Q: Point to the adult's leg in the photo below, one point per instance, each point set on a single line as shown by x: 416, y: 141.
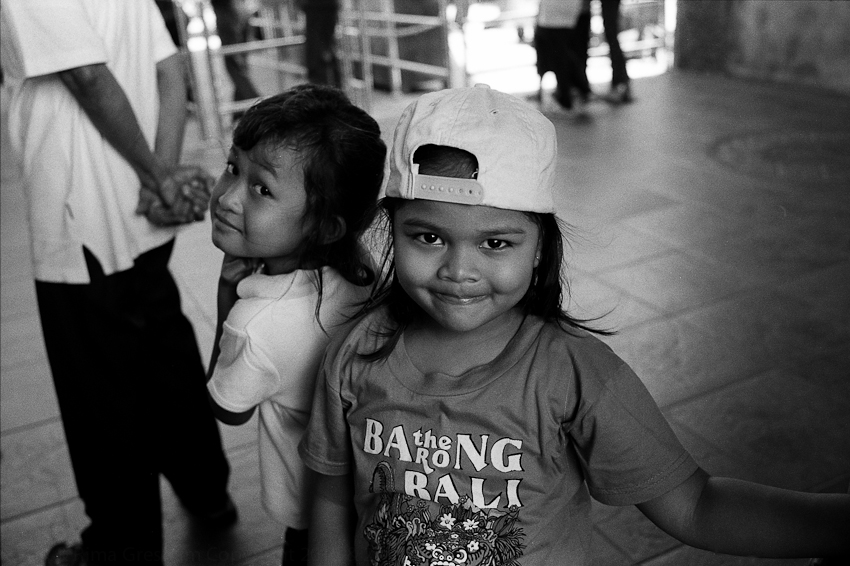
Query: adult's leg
x: 580, y: 41
x: 554, y: 53
x: 611, y: 22
x: 319, y: 50
x: 188, y: 444
x: 232, y: 26
x: 93, y: 336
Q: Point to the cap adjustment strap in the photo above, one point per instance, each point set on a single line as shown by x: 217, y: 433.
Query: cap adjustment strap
x: 447, y: 189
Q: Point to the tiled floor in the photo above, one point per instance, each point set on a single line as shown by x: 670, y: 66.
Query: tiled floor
x: 712, y: 219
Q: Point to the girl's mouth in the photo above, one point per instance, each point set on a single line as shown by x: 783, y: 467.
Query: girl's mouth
x: 459, y: 300
x: 221, y: 222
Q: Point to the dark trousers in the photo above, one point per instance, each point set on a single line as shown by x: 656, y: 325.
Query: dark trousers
x: 319, y: 47
x: 132, y: 394
x: 611, y: 22
x: 233, y: 27
x: 563, y: 51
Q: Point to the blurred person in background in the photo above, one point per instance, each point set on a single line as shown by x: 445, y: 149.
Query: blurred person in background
x: 320, y: 48
x: 233, y: 23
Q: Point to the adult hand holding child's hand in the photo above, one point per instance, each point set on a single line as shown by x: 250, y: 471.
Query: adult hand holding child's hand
x: 182, y: 197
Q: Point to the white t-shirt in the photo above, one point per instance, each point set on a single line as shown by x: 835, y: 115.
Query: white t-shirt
x: 271, y: 348
x: 79, y: 190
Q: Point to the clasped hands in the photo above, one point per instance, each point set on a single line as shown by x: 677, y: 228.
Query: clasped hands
x: 181, y: 197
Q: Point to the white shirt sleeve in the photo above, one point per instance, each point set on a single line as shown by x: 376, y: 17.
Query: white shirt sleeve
x: 244, y: 376
x: 41, y: 37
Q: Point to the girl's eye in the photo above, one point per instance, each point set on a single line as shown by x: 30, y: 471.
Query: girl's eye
x: 430, y: 239
x: 231, y: 168
x: 495, y: 244
x: 262, y: 190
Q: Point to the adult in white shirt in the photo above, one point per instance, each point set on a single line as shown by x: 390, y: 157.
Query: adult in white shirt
x: 97, y: 112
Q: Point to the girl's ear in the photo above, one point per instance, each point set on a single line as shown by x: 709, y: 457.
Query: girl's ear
x: 332, y: 229
x: 537, y: 252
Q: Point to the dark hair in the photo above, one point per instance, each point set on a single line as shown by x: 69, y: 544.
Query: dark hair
x: 343, y: 159
x: 544, y: 297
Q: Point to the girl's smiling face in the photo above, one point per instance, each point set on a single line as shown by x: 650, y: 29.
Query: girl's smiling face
x: 466, y: 266
x: 258, y: 206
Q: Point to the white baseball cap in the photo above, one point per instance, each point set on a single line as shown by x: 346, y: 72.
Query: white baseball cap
x: 515, y: 145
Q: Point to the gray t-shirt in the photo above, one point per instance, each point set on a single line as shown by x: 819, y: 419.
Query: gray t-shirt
x: 495, y: 466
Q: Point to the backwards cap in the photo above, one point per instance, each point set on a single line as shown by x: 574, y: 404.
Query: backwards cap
x: 515, y: 146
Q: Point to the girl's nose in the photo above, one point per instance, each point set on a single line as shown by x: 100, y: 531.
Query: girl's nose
x: 227, y: 194
x: 459, y: 265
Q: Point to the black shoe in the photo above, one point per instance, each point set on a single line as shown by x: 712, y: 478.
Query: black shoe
x: 63, y: 555
x: 218, y: 519
x: 295, y: 549
x: 620, y: 94
x: 564, y: 99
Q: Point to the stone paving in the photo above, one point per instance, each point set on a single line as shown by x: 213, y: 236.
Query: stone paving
x: 711, y: 221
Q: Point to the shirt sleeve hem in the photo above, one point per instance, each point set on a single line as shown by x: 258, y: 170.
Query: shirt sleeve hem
x: 682, y: 469
x: 224, y: 403
x: 323, y: 466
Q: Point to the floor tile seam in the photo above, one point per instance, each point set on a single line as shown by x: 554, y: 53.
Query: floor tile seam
x: 30, y: 426
x: 37, y: 510
x: 663, y: 554
x: 253, y: 556
x: 634, y: 325
x: 21, y: 429
x: 741, y: 224
x: 7, y: 318
x: 754, y: 289
x: 747, y: 377
x: 685, y: 201
x: 15, y: 365
x: 690, y: 252
x: 625, y: 293
x: 602, y: 531
x: 736, y: 452
x: 674, y: 314
x: 778, y: 365
x: 633, y: 262
x: 826, y: 484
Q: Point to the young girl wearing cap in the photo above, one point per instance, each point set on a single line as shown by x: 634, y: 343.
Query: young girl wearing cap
x: 467, y: 419
x: 298, y: 191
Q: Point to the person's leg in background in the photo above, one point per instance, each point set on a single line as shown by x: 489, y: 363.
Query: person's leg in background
x: 232, y: 23
x: 320, y: 46
x: 555, y: 54
x: 620, y: 83
x: 578, y: 43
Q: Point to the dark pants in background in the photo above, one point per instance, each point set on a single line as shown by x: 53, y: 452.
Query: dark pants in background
x: 611, y: 22
x: 233, y: 26
x: 132, y: 393
x: 564, y: 52
x: 320, y: 45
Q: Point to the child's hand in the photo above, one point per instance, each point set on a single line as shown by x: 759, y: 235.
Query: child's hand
x: 152, y: 207
x: 182, y: 198
x: 235, y: 269
x: 187, y: 182
x: 187, y: 188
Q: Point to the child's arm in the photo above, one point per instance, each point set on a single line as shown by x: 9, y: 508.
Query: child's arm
x: 233, y: 270
x: 332, y: 522
x: 748, y: 519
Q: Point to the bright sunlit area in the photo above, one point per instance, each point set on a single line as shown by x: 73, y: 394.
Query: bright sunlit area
x: 496, y: 44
